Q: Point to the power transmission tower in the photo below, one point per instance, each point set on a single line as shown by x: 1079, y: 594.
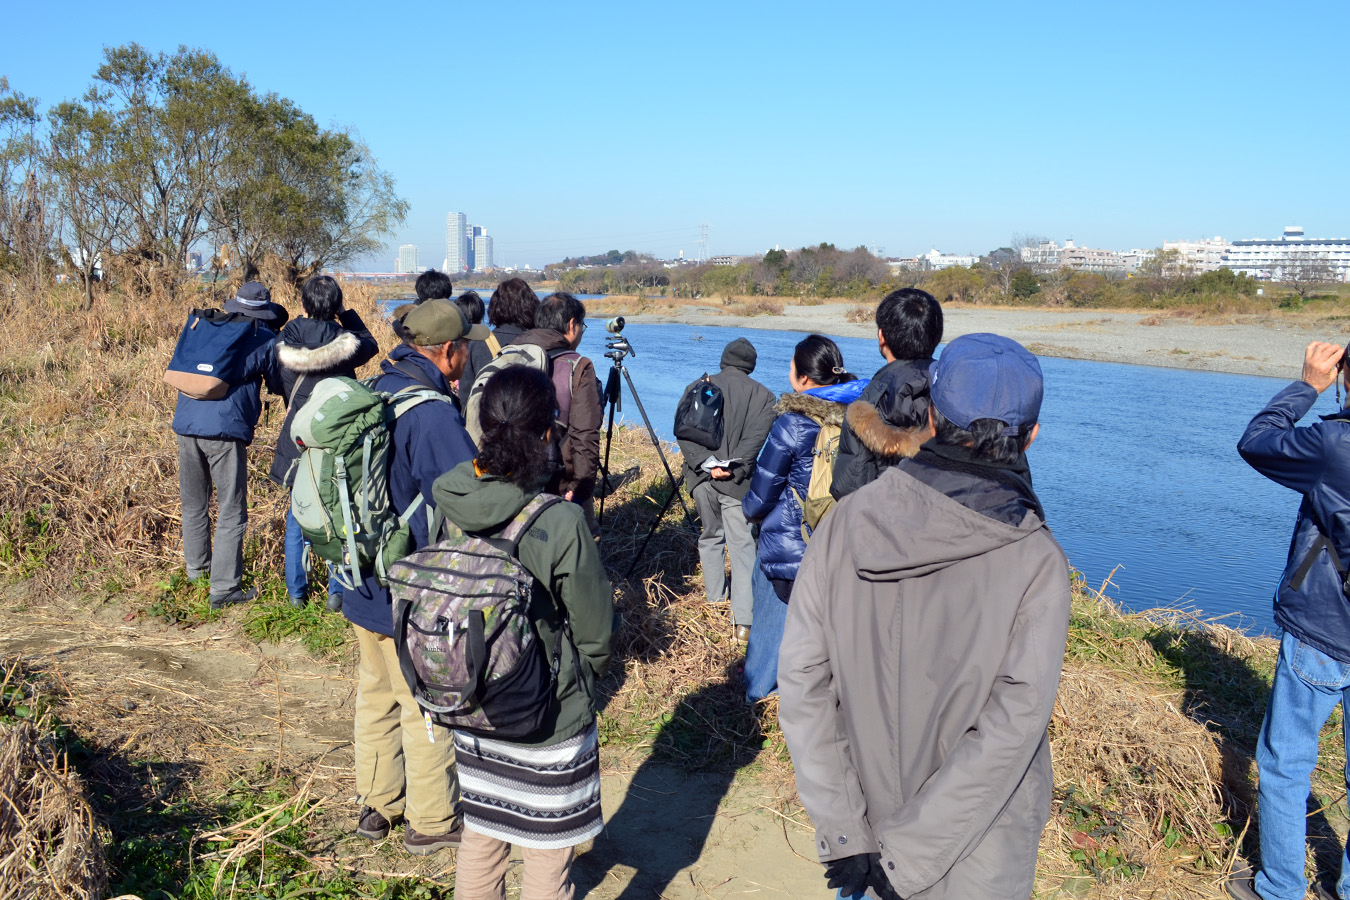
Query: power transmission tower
x: 703, y: 253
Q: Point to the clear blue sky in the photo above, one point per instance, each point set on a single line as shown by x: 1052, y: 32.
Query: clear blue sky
x: 570, y: 128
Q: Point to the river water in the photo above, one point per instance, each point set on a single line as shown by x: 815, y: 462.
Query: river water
x: 1136, y: 465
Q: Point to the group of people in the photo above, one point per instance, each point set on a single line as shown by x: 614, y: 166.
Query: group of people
x: 913, y: 621
x: 537, y: 433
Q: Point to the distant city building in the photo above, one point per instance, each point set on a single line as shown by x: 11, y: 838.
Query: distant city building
x: 407, y: 259
x: 724, y: 260
x: 456, y: 243
x: 1292, y: 256
x: 1197, y: 256
x: 938, y: 260
x: 1133, y: 259
x: 1090, y: 259
x: 1042, y: 256
x: 193, y: 261
x: 482, y: 252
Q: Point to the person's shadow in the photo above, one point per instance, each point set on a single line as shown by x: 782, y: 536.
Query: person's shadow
x: 1229, y: 697
x: 672, y: 800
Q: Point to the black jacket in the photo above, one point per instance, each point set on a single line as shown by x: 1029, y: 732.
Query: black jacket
x: 747, y: 416
x: 308, y: 351
x: 886, y: 424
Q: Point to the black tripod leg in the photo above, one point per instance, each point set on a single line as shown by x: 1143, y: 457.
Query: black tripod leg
x: 612, y: 398
x: 651, y: 532
x: 651, y: 432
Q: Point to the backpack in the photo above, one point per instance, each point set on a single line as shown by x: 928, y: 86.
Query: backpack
x: 466, y: 646
x: 535, y: 357
x: 698, y: 418
x: 340, y: 483
x: 211, y: 353
x: 818, y: 500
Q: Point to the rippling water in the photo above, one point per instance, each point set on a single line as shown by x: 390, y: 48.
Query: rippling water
x: 1136, y: 465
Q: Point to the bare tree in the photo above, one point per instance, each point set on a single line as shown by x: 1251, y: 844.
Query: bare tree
x: 1307, y: 273
x: 26, y: 215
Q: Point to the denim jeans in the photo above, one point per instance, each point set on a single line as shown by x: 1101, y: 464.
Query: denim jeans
x: 1308, y: 685
x: 761, y: 653
x: 297, y: 559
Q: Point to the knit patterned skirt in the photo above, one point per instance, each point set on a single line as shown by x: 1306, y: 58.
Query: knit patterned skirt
x: 541, y: 797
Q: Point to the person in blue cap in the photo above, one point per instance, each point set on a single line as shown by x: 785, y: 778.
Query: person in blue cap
x: 922, y: 651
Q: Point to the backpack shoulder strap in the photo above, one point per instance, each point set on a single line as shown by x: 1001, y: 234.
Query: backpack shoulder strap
x: 493, y: 344
x: 408, y: 397
x: 411, y: 372
x: 525, y: 519
x: 1304, y: 567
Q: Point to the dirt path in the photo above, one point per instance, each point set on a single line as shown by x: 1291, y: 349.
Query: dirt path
x: 201, y: 707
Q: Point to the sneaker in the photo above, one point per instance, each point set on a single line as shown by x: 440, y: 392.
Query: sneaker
x: 1240, y: 885
x: 742, y: 634
x: 297, y: 602
x: 419, y: 844
x: 372, y: 825
x: 335, y: 602
x: 234, y: 596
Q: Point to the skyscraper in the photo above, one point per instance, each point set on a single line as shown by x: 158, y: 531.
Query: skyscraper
x: 482, y: 252
x: 407, y: 259
x: 456, y: 244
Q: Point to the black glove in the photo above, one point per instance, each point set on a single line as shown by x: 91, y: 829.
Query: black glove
x: 852, y: 874
x: 880, y: 884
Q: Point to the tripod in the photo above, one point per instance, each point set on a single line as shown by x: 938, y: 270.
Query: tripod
x: 617, y: 348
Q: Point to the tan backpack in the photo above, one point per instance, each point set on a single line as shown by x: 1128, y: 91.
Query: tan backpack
x: 818, y: 500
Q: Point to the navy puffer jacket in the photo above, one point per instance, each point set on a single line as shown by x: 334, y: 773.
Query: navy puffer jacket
x: 785, y: 462
x: 1315, y: 461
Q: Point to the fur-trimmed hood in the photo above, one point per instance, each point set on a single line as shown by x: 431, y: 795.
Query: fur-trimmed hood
x: 826, y: 412
x: 336, y: 353
x: 881, y: 437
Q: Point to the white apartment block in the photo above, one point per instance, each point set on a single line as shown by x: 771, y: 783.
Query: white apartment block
x: 938, y: 260
x: 407, y: 259
x: 1043, y: 257
x: 1091, y: 259
x: 1291, y: 256
x: 482, y: 251
x: 1197, y: 256
x: 456, y: 245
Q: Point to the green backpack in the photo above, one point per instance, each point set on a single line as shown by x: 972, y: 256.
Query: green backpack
x: 818, y: 500
x: 340, y: 493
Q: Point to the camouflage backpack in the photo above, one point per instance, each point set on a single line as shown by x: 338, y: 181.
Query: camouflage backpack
x: 468, y: 650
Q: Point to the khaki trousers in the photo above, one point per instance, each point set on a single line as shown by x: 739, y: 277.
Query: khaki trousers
x: 480, y: 870
x: 399, y: 771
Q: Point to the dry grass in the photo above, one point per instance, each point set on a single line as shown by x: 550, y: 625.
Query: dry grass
x: 50, y: 845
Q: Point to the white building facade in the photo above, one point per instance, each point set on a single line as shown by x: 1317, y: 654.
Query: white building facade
x: 482, y: 251
x: 456, y: 244
x: 407, y: 259
x: 935, y: 260
x: 1195, y: 257
x: 1291, y: 257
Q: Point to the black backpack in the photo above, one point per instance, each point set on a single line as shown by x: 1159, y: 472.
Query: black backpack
x: 698, y: 418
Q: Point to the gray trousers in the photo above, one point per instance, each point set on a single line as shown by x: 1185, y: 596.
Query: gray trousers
x: 224, y: 464
x: 725, y: 527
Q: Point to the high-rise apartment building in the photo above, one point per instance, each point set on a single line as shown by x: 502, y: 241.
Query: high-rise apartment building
x: 407, y: 259
x: 482, y: 252
x: 456, y: 243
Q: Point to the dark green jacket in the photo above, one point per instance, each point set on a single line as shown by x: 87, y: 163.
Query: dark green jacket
x: 561, y: 555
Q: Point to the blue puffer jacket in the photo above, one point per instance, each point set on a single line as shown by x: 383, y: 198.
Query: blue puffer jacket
x: 234, y: 416
x: 785, y: 462
x: 426, y: 442
x: 1315, y: 461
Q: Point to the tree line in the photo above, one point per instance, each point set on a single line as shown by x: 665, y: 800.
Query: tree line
x: 166, y: 154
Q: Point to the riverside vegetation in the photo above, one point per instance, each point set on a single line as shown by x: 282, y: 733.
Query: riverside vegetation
x: 135, y: 763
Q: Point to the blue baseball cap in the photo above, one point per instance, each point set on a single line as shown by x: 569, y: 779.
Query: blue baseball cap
x: 985, y: 376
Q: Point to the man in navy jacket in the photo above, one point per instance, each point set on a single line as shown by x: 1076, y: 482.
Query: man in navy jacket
x: 405, y: 767
x: 1312, y: 673
x: 213, y: 438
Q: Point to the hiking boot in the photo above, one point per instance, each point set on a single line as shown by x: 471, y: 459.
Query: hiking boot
x: 1240, y: 885
x: 372, y: 825
x: 297, y: 602
x: 235, y: 596
x: 742, y: 634
x: 419, y: 844
x: 335, y: 602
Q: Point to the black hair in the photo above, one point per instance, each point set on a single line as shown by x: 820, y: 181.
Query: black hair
x: 517, y: 408
x: 818, y: 358
x: 433, y: 285
x: 911, y: 323
x: 472, y: 306
x: 514, y: 302
x: 558, y: 310
x: 322, y: 298
x: 984, y: 437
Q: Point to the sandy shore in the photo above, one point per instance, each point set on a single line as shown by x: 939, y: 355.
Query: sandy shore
x: 1266, y: 345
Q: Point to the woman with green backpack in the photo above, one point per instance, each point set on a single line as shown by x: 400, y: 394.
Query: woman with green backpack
x: 790, y: 490
x: 540, y: 792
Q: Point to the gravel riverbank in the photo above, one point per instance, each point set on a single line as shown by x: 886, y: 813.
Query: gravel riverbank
x: 1246, y: 345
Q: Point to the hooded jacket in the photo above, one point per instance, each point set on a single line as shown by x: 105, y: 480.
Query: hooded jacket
x: 1315, y: 461
x: 426, y: 441
x: 234, y: 416
x: 747, y: 416
x: 785, y: 465
x: 560, y: 554
x: 307, y: 351
x: 885, y: 424
x: 581, y: 443
x: 480, y: 356
x: 917, y: 674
